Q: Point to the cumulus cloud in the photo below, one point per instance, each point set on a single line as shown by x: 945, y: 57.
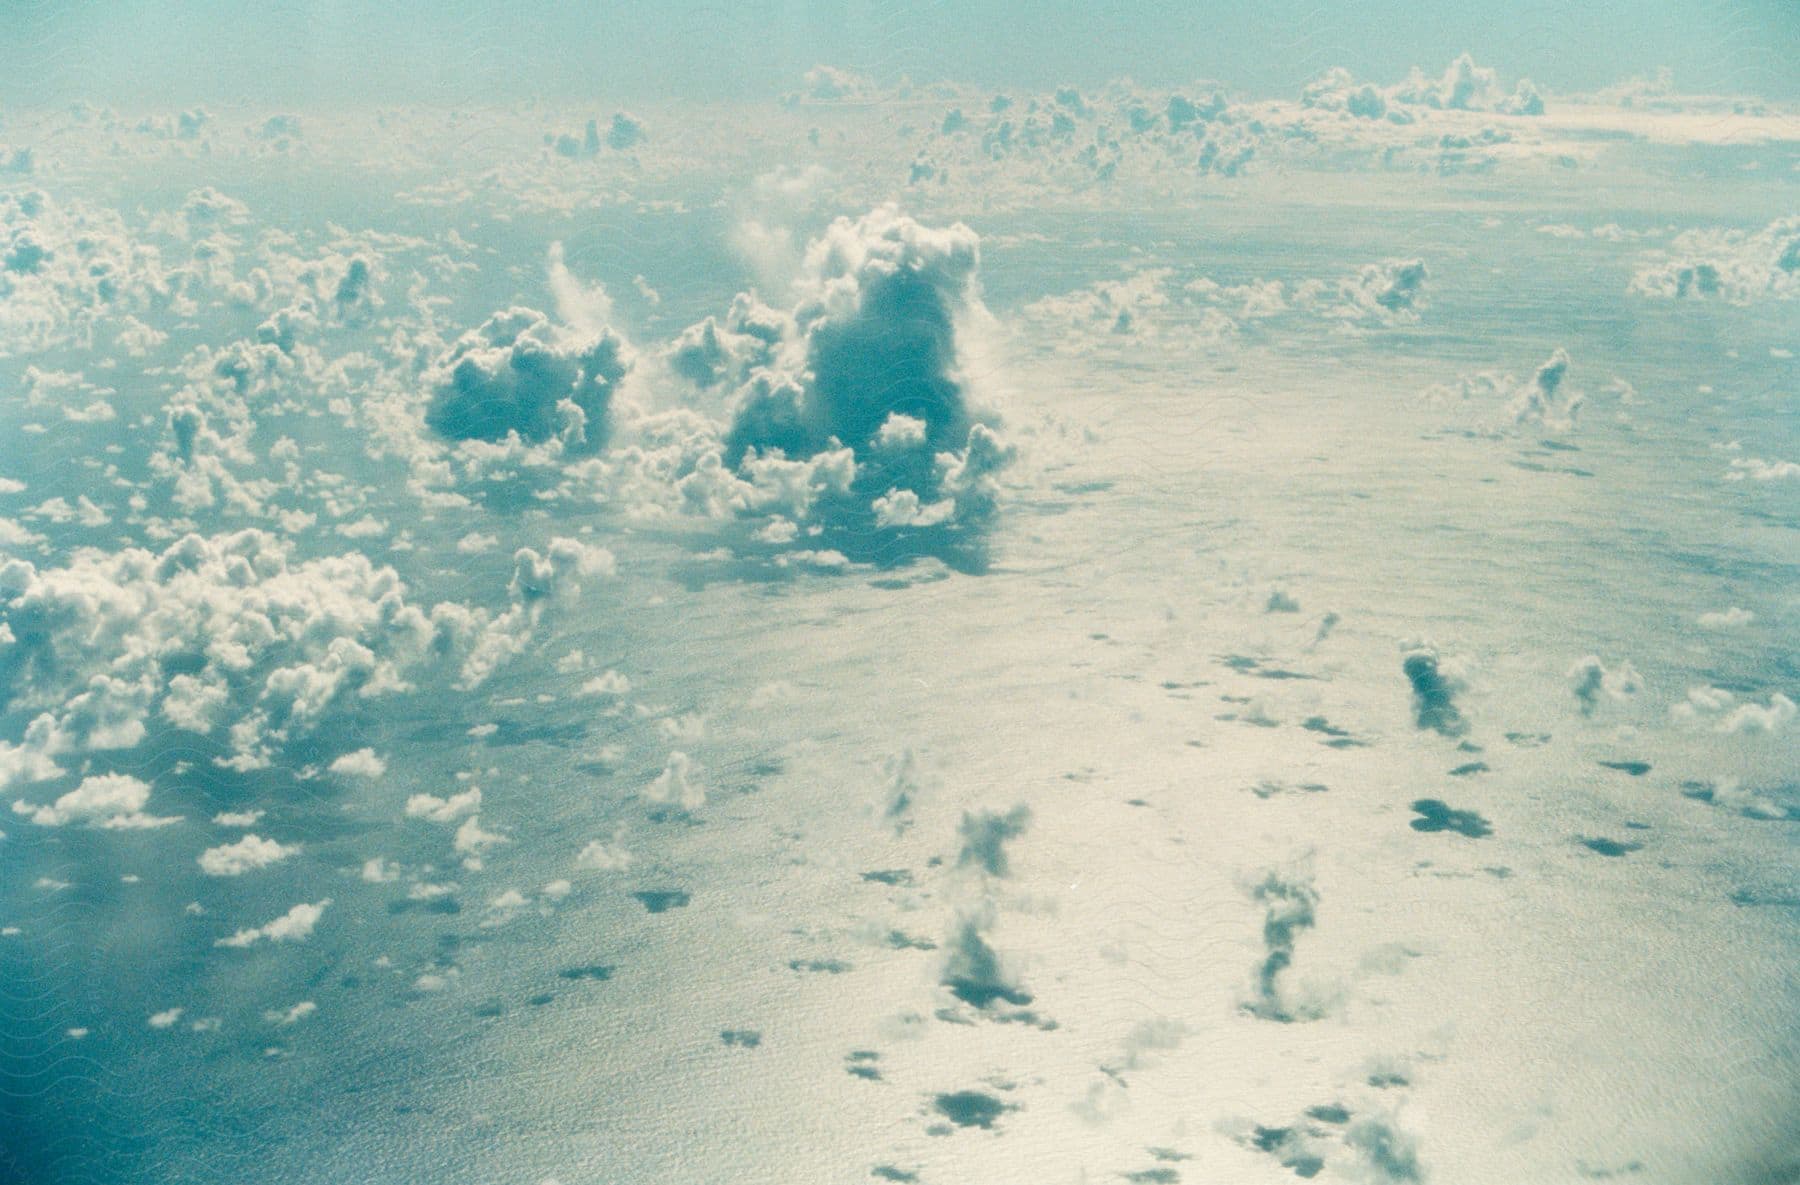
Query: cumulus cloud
x: 362, y: 763
x: 296, y: 925
x: 606, y: 855
x: 283, y: 1017
x: 1757, y: 469
x: 678, y: 785
x: 444, y: 810
x: 265, y: 647
x: 519, y: 373
x: 850, y: 413
x: 1592, y: 683
x: 831, y: 84
x: 1734, y: 266
x: 245, y: 855
x: 1544, y: 401
x: 1391, y: 290
x: 1721, y: 710
x: 1463, y: 86
x: 112, y: 802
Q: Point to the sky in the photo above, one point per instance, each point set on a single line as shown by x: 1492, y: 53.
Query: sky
x: 138, y: 53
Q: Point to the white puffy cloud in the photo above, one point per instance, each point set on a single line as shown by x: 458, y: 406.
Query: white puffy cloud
x: 1543, y: 401
x: 842, y: 413
x: 559, y: 570
x: 1463, y: 86
x: 1757, y: 469
x: 1721, y: 709
x: 272, y: 647
x: 1735, y: 266
x: 519, y: 373
x: 296, y: 925
x: 361, y: 763
x: 1591, y: 681
x: 610, y: 684
x: 832, y: 84
x: 606, y: 855
x: 444, y: 810
x: 283, y: 1017
x: 108, y: 801
x: 244, y: 855
x: 678, y: 785
x: 471, y: 840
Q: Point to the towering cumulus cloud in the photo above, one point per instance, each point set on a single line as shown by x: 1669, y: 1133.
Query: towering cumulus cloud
x: 521, y: 373
x: 869, y: 364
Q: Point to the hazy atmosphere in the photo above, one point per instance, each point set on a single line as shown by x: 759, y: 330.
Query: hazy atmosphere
x: 832, y: 592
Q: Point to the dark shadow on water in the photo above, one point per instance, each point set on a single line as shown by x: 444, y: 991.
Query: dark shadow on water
x: 1609, y: 847
x: 662, y: 900
x: 1435, y: 815
x: 971, y: 1108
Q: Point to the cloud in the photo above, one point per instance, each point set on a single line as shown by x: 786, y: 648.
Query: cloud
x: 245, y: 855
x: 519, y: 373
x: 296, y: 925
x: 1592, y: 683
x: 850, y: 413
x: 678, y: 785
x: 1757, y: 469
x: 557, y: 572
x: 282, y: 1018
x: 1393, y: 290
x: 108, y: 801
x: 444, y: 810
x: 1463, y: 86
x: 830, y: 84
x: 1391, y: 1155
x: 1718, y: 707
x: 362, y: 763
x: 1734, y: 266
x: 265, y: 647
x: 606, y: 855
x: 1544, y: 401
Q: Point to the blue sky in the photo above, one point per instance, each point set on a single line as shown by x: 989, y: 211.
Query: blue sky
x: 149, y: 52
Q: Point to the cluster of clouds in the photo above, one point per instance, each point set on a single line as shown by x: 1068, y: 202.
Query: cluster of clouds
x: 1458, y: 121
x: 66, y: 267
x: 1721, y: 711
x: 231, y: 633
x: 1735, y: 266
x: 623, y: 133
x: 1463, y: 86
x: 1150, y: 302
x: 76, y: 274
x: 846, y: 429
x: 1544, y: 402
